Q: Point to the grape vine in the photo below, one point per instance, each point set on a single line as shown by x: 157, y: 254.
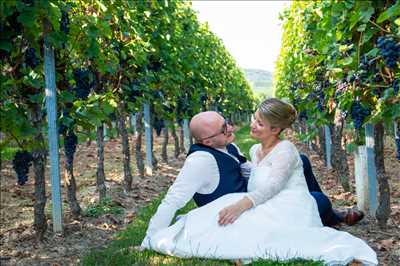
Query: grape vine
x: 64, y: 23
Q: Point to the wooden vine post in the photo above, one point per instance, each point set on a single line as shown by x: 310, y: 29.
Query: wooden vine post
x: 365, y: 173
x: 186, y: 134
x: 51, y: 107
x: 148, y: 131
x: 328, y: 147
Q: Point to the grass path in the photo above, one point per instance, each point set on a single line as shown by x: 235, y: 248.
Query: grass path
x: 121, y: 250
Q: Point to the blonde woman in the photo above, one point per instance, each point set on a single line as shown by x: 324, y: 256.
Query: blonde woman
x: 276, y: 219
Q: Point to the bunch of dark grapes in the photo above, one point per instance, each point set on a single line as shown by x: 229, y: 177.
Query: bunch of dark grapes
x: 11, y: 28
x: 296, y: 101
x: 396, y: 86
x: 378, y: 90
x: 154, y: 64
x: 64, y: 23
x: 320, y: 74
x: 70, y: 141
x: 186, y: 27
x: 296, y: 86
x: 159, y: 124
x: 366, y: 66
x: 182, y: 106
x: 321, y: 95
x: 62, y: 129
x: 377, y: 78
x: 320, y: 106
x: 133, y: 91
x: 389, y: 50
x: 358, y: 114
x: 366, y: 63
x: 318, y: 91
x: 179, y: 106
x: 4, y: 54
x: 341, y: 87
x: 203, y: 98
x: 21, y: 163
x: 30, y: 58
x: 113, y: 116
x: 157, y: 94
x: 220, y: 110
x: 303, y: 116
x: 293, y: 88
x: 83, y: 84
x: 117, y: 47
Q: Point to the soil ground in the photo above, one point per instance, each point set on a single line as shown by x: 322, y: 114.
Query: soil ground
x: 19, y: 246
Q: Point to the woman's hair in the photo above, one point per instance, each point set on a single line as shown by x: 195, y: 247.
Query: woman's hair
x: 277, y: 113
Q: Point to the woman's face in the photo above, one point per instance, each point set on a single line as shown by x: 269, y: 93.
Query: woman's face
x: 261, y: 129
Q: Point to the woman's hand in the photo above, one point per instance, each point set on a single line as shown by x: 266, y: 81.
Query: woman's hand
x: 229, y: 214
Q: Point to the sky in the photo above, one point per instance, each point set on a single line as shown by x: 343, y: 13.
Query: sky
x: 250, y: 30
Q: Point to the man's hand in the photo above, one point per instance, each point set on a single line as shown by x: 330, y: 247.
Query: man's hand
x: 229, y: 214
x: 245, y: 169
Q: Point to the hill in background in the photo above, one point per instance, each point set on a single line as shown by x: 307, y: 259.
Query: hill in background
x: 260, y: 81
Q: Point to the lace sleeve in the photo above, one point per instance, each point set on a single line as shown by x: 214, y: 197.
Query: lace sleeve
x: 274, y: 172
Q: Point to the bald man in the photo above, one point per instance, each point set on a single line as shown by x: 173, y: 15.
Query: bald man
x: 214, y: 167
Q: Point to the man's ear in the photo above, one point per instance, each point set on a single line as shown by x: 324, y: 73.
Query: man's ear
x: 206, y: 142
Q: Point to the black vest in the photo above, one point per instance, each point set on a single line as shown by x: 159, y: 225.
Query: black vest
x: 230, y: 177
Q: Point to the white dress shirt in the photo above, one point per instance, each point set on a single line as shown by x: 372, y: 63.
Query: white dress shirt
x: 199, y: 174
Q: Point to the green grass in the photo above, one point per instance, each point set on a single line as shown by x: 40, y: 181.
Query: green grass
x: 244, y: 141
x: 121, y: 252
x: 103, y: 207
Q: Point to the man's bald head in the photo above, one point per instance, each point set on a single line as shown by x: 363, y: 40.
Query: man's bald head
x: 205, y: 124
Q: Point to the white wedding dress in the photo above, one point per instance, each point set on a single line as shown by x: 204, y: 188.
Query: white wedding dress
x: 284, y: 224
